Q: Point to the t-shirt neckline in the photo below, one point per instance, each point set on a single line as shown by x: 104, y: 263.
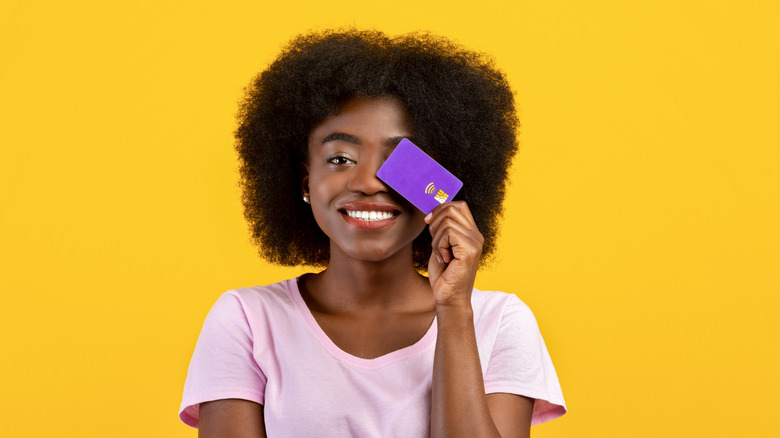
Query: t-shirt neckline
x: 334, y: 350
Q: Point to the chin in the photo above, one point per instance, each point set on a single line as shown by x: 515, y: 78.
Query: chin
x: 373, y: 254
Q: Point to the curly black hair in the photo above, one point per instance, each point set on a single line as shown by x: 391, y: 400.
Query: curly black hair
x: 461, y: 109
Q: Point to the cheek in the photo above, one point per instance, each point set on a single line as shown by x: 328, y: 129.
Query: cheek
x: 324, y: 187
x: 319, y: 206
x: 323, y: 192
x: 418, y: 221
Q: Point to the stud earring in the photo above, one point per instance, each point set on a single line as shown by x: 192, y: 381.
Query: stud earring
x: 306, y: 199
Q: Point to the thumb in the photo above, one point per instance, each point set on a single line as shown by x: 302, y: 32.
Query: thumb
x: 435, y: 268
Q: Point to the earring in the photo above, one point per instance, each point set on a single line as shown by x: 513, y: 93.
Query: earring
x: 306, y: 199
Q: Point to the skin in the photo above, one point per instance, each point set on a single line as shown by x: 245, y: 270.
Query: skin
x: 370, y: 300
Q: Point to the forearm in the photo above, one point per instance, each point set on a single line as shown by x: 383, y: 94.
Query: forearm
x: 458, y: 406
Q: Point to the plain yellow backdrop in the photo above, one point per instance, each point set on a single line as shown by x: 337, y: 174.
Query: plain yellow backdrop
x: 641, y: 224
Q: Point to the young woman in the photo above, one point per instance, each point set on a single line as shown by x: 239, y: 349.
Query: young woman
x: 370, y: 347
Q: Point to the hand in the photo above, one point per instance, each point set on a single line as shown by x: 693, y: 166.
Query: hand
x: 456, y: 249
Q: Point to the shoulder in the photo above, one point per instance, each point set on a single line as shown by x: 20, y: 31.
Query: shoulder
x: 250, y: 300
x: 269, y: 292
x: 232, y: 355
x: 517, y: 360
x: 494, y: 297
x: 504, y: 324
x: 502, y: 321
x: 497, y: 306
x: 249, y: 308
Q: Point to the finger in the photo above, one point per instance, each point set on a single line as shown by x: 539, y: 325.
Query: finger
x: 452, y: 216
x: 446, y: 223
x: 464, y: 208
x: 452, y: 241
x: 460, y: 206
x: 454, y: 245
x: 452, y: 211
x: 435, y: 267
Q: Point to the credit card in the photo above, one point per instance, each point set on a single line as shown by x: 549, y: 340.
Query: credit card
x: 418, y: 177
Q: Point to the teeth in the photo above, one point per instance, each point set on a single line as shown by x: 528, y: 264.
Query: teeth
x: 370, y: 215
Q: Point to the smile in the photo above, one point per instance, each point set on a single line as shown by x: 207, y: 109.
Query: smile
x: 370, y: 216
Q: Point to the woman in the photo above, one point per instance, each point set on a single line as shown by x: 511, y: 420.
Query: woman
x: 369, y: 347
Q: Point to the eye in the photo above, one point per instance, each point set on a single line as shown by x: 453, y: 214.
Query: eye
x: 339, y: 160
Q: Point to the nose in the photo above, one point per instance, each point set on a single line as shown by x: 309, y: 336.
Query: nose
x: 364, y: 178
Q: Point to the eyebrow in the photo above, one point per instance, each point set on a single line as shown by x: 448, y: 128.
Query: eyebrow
x: 393, y: 141
x: 349, y: 138
x: 340, y: 136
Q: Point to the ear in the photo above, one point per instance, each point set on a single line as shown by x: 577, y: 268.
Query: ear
x: 305, y: 180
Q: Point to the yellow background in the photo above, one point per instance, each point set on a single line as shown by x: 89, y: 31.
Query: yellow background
x: 641, y: 225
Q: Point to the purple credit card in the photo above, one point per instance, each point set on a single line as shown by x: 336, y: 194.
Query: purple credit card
x: 418, y: 178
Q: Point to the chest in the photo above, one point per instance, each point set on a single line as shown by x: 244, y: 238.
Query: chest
x: 316, y: 387
x: 372, y: 336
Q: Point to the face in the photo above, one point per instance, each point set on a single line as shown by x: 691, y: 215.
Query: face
x: 364, y: 218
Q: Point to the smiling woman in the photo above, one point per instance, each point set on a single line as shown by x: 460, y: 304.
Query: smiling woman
x: 345, y: 151
x: 368, y: 346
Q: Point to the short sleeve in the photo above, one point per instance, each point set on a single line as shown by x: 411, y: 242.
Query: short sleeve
x: 520, y: 364
x: 223, y: 364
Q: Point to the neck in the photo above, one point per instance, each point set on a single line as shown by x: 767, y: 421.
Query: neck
x: 349, y: 285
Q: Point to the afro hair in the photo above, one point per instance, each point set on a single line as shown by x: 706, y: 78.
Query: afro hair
x: 461, y: 108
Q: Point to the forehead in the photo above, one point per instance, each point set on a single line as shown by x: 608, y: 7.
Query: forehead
x: 369, y: 119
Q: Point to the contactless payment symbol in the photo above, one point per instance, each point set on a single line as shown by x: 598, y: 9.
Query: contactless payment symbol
x: 418, y: 177
x: 440, y: 196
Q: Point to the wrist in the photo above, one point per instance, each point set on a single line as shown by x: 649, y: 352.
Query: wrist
x: 455, y: 307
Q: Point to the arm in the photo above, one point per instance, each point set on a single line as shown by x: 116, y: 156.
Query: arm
x: 225, y: 386
x: 231, y: 418
x: 459, y: 406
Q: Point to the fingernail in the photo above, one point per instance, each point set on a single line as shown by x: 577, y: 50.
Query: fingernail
x: 439, y: 258
x: 428, y: 218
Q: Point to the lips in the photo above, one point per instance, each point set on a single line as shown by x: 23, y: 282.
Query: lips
x: 369, y: 214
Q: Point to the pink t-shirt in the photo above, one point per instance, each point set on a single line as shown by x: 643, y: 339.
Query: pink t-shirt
x: 263, y: 344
